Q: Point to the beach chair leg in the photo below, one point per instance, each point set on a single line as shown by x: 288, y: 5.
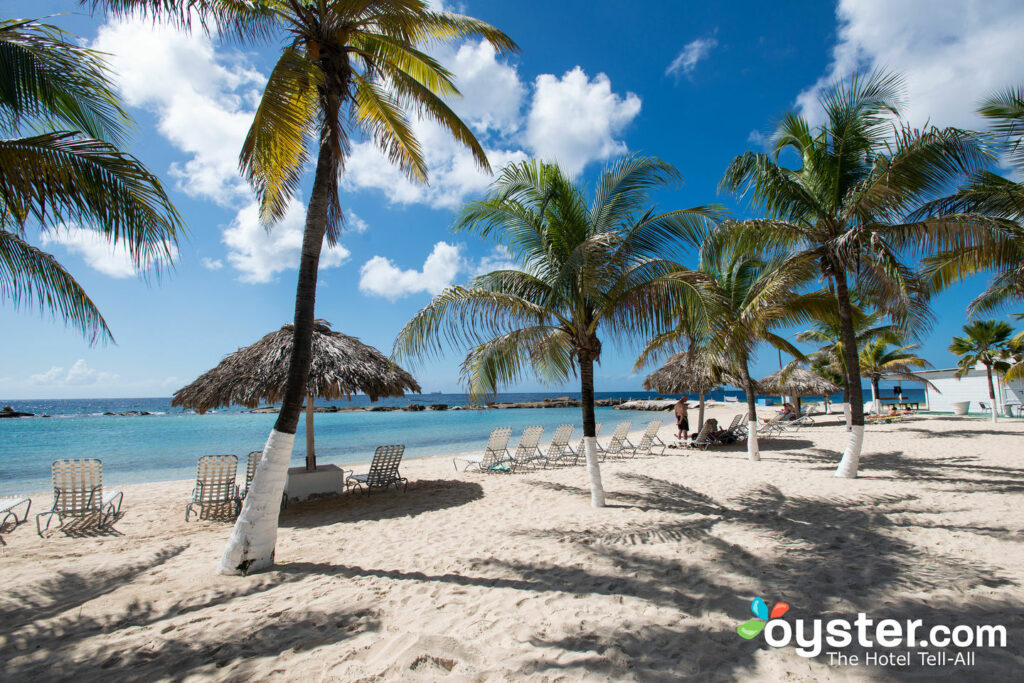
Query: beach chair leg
x: 49, y: 518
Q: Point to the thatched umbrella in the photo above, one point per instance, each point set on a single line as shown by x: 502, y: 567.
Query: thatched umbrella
x: 797, y: 382
x: 684, y: 373
x: 341, y: 366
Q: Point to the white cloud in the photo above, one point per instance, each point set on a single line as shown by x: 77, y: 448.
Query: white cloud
x: 381, y: 277
x: 99, y: 253
x: 203, y: 100
x: 574, y: 120
x: 500, y: 258
x: 759, y: 140
x: 260, y: 254
x: 212, y: 264
x: 952, y: 54
x: 687, y: 59
x: 78, y: 375
x: 355, y: 223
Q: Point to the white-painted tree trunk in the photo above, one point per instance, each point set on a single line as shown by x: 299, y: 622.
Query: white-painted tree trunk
x: 995, y: 419
x: 251, y: 546
x: 593, y: 472
x: 874, y: 400
x: 753, y: 452
x: 851, y: 456
x: 848, y: 415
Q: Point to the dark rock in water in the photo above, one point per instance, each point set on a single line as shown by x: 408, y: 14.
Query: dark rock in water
x: 439, y: 406
x: 108, y: 413
x: 11, y: 412
x: 414, y: 407
x: 145, y: 412
x: 387, y: 409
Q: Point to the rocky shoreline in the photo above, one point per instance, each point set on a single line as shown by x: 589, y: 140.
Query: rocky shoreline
x: 561, y: 402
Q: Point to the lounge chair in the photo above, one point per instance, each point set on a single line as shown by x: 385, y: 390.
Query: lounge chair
x: 383, y: 471
x: 215, y: 493
x: 78, y: 494
x: 620, y: 445
x: 703, y: 438
x: 581, y: 453
x: 251, y: 462
x: 731, y: 399
x: 494, y: 455
x: 649, y: 441
x: 560, y: 452
x: 527, y: 451
x: 9, y: 512
x: 772, y: 427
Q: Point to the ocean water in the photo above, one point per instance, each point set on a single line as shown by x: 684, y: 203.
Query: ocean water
x: 165, y: 444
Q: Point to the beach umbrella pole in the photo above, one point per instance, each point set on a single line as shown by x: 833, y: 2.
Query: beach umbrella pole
x: 310, y: 451
x: 700, y: 413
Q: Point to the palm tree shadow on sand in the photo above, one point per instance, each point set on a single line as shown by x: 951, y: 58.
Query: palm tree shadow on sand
x: 831, y: 558
x: 41, y: 626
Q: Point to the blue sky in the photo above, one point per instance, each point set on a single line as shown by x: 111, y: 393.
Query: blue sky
x: 692, y: 83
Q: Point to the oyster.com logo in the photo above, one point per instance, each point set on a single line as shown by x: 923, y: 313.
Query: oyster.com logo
x: 751, y: 629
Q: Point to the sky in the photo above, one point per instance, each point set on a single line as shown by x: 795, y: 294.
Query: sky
x: 692, y: 83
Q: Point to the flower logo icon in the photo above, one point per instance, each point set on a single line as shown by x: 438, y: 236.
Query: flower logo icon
x: 750, y: 629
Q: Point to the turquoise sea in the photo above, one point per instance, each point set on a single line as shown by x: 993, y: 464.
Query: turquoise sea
x: 165, y: 444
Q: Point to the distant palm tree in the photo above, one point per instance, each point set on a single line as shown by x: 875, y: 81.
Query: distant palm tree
x: 60, y: 167
x: 998, y: 197
x: 348, y: 67
x: 827, y: 334
x: 881, y: 358
x: 750, y: 297
x: 846, y: 204
x: 588, y: 269
x: 988, y: 342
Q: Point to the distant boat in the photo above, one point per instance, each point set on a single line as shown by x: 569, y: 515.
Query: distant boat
x: 435, y: 392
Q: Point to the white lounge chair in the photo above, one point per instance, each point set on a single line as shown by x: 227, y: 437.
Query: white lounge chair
x: 559, y: 452
x: 495, y: 453
x: 528, y: 450
x: 620, y: 445
x: 78, y: 494
x: 383, y: 471
x: 215, y: 494
x: 9, y: 513
x: 650, y: 440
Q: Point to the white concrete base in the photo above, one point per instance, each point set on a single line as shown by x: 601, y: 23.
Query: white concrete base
x: 327, y: 480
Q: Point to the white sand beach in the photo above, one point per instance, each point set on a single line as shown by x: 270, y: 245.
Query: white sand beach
x: 508, y: 577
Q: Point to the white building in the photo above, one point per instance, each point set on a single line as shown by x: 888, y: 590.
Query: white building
x: 971, y: 387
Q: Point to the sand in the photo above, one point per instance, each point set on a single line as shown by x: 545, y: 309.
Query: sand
x: 498, y: 577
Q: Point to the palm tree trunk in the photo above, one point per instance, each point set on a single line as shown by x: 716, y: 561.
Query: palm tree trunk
x: 851, y: 456
x: 700, y: 413
x: 846, y: 407
x: 753, y: 452
x: 252, y: 542
x: 310, y: 449
x: 589, y: 431
x: 874, y: 395
x: 991, y: 392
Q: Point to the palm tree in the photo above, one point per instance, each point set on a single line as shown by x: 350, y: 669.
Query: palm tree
x: 846, y: 204
x: 750, y: 297
x: 348, y: 67
x: 1000, y: 198
x: 60, y: 126
x: 879, y: 358
x: 988, y: 342
x: 587, y: 269
x: 830, y: 358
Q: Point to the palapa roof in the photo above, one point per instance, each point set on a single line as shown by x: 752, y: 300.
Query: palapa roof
x: 797, y: 382
x: 341, y: 366
x: 683, y: 373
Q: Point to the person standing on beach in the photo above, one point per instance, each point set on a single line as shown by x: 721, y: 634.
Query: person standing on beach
x: 682, y: 419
